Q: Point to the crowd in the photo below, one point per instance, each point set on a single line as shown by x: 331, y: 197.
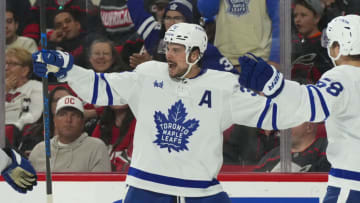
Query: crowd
x: 116, y: 35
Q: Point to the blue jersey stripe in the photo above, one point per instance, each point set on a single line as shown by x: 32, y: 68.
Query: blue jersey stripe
x: 274, y: 116
x: 340, y: 173
x: 95, y: 89
x: 263, y: 114
x: 108, y: 90
x: 312, y: 104
x: 322, y: 101
x: 171, y: 181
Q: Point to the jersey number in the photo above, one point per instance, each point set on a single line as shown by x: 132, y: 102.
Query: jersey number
x: 333, y: 88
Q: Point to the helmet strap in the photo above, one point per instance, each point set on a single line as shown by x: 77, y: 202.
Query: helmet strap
x: 190, y: 65
x: 333, y: 59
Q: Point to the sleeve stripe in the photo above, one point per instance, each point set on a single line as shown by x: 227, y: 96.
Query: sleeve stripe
x: 145, y: 24
x: 95, y: 89
x: 312, y: 104
x: 149, y: 29
x: 274, y: 116
x: 322, y: 101
x: 263, y: 114
x: 108, y: 90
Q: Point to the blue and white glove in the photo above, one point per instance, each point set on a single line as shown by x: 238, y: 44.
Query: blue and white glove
x: 52, y: 61
x: 20, y: 174
x: 258, y: 75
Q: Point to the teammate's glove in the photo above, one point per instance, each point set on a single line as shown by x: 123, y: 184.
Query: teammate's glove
x: 52, y: 61
x: 258, y: 75
x: 20, y: 174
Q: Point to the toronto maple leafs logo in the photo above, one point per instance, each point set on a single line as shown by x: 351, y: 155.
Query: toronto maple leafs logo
x: 238, y: 7
x: 174, y: 131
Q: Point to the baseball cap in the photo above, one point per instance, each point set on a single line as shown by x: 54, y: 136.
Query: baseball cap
x: 316, y: 5
x: 69, y: 101
x: 182, y: 6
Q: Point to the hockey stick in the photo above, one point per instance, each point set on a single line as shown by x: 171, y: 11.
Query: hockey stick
x: 46, y: 106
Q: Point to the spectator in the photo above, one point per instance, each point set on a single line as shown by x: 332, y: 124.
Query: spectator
x: 35, y: 133
x: 12, y: 38
x: 153, y: 32
x: 246, y: 146
x: 23, y: 95
x: 116, y: 20
x: 72, y: 149
x: 307, y: 52
x: 21, y: 9
x: 308, y: 152
x: 104, y: 58
x: 116, y: 128
x: 67, y: 35
x: 245, y: 26
x: 86, y: 12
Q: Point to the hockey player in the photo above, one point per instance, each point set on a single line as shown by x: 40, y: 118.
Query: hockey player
x: 17, y: 171
x: 182, y: 109
x: 334, y: 99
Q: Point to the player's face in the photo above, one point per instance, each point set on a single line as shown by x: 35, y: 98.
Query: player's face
x: 305, y: 21
x: 176, y: 58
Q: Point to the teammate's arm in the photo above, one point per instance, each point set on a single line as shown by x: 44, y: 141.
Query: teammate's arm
x: 17, y: 171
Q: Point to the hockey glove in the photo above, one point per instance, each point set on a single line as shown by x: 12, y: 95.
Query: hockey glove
x: 258, y: 75
x: 20, y: 174
x: 52, y: 61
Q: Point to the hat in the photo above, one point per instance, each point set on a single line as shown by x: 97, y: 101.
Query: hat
x: 69, y: 101
x: 182, y: 6
x: 316, y: 5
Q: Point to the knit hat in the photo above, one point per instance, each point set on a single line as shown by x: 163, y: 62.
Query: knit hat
x: 316, y: 5
x: 69, y: 101
x: 182, y: 6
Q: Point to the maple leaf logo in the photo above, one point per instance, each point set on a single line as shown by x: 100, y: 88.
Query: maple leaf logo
x: 174, y: 131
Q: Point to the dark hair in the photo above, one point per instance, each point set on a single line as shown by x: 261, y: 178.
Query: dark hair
x: 73, y: 14
x: 107, y: 121
x: 15, y: 16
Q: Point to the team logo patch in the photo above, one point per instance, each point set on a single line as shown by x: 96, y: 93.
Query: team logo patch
x: 158, y: 84
x: 238, y: 7
x: 174, y: 130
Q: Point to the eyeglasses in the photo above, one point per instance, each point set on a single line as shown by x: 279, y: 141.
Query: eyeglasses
x: 13, y: 64
x: 105, y: 54
x: 176, y: 19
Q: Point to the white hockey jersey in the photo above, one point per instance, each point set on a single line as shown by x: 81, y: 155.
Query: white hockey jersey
x: 178, y: 135
x: 335, y: 99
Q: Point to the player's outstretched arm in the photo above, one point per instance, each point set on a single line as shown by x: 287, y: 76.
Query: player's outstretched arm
x: 258, y: 75
x: 52, y: 61
x: 19, y: 174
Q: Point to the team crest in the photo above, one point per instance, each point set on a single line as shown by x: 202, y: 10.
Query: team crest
x: 174, y: 130
x: 238, y: 7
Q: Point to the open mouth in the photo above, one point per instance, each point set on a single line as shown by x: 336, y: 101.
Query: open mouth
x: 171, y: 64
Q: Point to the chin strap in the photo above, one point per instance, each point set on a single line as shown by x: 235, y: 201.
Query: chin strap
x: 190, y: 65
x: 333, y: 59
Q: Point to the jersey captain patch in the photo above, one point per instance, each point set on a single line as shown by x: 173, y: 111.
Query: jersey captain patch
x: 174, y: 130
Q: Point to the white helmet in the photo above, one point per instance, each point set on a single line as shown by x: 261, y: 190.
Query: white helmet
x: 344, y: 30
x: 189, y: 35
